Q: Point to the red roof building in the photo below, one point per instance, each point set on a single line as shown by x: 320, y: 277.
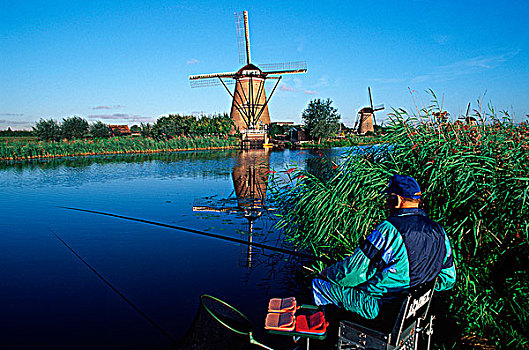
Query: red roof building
x: 119, y: 130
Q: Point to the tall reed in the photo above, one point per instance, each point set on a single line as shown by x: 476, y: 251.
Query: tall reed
x: 475, y: 180
x: 24, y: 150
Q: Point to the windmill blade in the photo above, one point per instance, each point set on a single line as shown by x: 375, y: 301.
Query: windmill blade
x: 378, y: 108
x: 239, y: 28
x: 243, y: 36
x: 284, y: 66
x: 209, y: 82
x: 212, y: 75
x: 370, y: 97
x: 247, y: 36
x: 287, y: 71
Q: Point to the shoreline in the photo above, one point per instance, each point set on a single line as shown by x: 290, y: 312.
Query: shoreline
x: 88, y: 154
x: 128, y: 147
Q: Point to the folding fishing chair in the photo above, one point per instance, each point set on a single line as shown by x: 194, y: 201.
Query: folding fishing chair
x: 412, y: 321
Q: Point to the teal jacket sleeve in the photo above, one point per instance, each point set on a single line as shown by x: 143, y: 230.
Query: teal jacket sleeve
x: 352, y: 271
x: 360, y: 266
x: 447, y: 277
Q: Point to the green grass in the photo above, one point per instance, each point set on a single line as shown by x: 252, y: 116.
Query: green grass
x: 348, y: 141
x: 475, y: 180
x: 18, y: 138
x: 26, y: 150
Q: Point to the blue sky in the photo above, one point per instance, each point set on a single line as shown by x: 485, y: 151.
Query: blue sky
x: 129, y: 61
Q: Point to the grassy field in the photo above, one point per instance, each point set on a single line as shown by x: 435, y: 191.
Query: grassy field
x: 348, y: 141
x: 475, y: 180
x: 19, y: 150
x: 18, y: 138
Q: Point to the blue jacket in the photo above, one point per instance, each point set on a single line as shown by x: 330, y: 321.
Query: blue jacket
x: 402, y: 252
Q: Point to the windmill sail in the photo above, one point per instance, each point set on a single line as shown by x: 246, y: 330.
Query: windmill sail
x: 212, y: 75
x: 243, y: 36
x: 288, y: 71
x: 210, y: 82
x: 299, y: 65
x: 378, y: 107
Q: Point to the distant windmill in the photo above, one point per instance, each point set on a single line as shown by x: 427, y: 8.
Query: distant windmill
x: 365, y: 121
x: 249, y: 108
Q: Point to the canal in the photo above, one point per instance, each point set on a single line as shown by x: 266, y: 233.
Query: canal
x: 49, y: 298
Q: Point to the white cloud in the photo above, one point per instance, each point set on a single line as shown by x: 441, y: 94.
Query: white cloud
x: 107, y: 107
x: 121, y: 117
x: 14, y: 122
x: 11, y: 114
x: 464, y: 67
x: 441, y: 39
x: 301, y: 44
x: 323, y: 81
x: 193, y: 61
x: 285, y: 87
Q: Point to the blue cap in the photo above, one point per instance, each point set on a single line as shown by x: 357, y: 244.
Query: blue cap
x: 404, y: 186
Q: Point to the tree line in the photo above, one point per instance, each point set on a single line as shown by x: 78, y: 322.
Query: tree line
x: 321, y: 122
x: 165, y: 127
x: 187, y: 125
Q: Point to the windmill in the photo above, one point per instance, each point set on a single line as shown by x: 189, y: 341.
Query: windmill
x: 249, y: 108
x: 365, y: 121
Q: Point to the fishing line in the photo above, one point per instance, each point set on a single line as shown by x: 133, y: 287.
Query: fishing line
x: 212, y: 235
x: 127, y: 300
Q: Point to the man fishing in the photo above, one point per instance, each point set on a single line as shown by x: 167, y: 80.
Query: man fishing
x: 404, y: 251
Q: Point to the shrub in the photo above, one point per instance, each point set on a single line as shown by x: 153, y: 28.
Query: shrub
x: 47, y: 130
x: 100, y: 130
x: 74, y: 128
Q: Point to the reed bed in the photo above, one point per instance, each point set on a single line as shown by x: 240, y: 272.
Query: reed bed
x: 26, y: 150
x: 350, y: 140
x: 475, y: 180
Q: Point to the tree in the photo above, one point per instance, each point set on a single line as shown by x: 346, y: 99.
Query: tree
x: 222, y: 123
x: 321, y: 119
x: 100, y: 130
x: 146, y: 130
x: 47, y: 130
x: 135, y: 129
x: 276, y: 129
x: 172, y: 125
x: 74, y: 128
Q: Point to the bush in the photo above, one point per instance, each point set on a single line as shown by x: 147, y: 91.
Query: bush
x: 74, y: 128
x: 47, y: 130
x: 475, y: 180
x: 100, y: 130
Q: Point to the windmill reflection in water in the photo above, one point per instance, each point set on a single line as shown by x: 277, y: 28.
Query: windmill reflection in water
x: 250, y: 181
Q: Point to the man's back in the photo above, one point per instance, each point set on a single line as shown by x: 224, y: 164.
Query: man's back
x: 425, y: 243
x: 406, y: 250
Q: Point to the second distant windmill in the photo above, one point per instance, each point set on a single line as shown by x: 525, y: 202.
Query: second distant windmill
x: 365, y: 121
x: 249, y: 108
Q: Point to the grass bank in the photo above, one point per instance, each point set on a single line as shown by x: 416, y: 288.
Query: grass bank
x: 475, y: 180
x: 353, y: 140
x: 16, y: 150
x: 348, y: 141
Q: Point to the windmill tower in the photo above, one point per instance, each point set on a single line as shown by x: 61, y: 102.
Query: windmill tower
x: 249, y: 108
x: 365, y: 121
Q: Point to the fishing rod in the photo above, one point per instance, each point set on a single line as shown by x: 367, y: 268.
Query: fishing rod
x: 127, y: 300
x: 207, y: 234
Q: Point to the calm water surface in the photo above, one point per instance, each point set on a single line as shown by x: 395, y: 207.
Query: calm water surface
x: 49, y: 299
